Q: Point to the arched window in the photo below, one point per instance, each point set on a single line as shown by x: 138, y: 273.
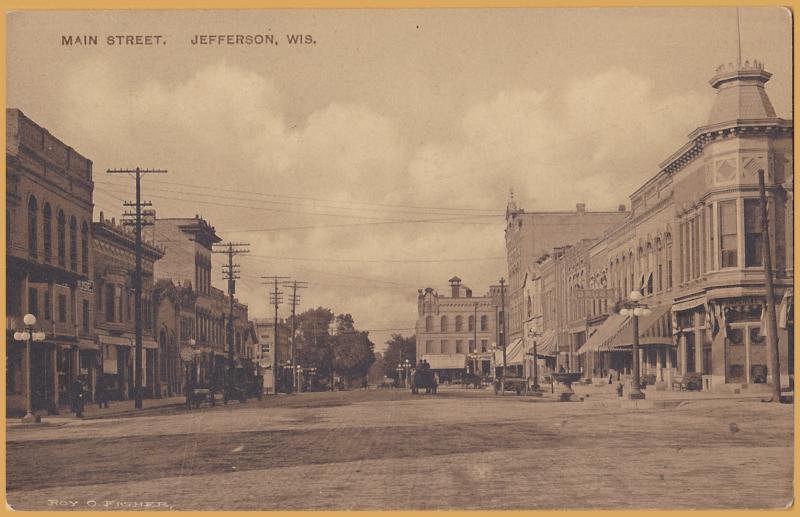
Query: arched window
x: 85, y: 248
x: 429, y: 324
x: 459, y: 323
x: 47, y: 232
x: 61, y: 236
x: 443, y: 324
x: 73, y: 243
x: 471, y: 323
x: 32, y: 236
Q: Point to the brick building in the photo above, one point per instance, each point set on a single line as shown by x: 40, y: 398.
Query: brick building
x: 458, y: 332
x: 115, y: 325
x: 49, y: 264
x: 692, y: 245
x: 531, y: 234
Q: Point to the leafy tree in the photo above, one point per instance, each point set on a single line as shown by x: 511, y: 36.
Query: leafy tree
x: 398, y: 350
x: 353, y: 353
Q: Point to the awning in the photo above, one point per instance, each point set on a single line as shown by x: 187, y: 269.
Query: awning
x: 515, y: 353
x: 654, y: 329
x: 546, y: 345
x: 446, y: 361
x: 610, y: 327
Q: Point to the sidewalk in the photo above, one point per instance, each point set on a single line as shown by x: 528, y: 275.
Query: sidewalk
x: 116, y: 408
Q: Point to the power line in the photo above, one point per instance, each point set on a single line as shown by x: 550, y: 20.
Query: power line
x: 387, y: 205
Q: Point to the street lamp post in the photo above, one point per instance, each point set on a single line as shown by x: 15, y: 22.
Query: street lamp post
x: 535, y: 337
x: 407, y: 365
x: 634, y: 308
x: 28, y: 335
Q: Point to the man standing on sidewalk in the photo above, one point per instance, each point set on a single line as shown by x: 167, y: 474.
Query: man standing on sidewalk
x: 77, y: 397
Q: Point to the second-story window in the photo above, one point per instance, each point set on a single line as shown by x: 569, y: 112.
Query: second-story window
x: 61, y: 238
x: 484, y: 323
x: 109, y: 296
x: 728, y: 234
x: 85, y: 248
x: 429, y: 324
x: 62, y: 308
x: 32, y: 234
x: 73, y: 244
x: 47, y: 232
x: 459, y: 323
x: 443, y: 324
x: 753, y: 238
x: 471, y: 323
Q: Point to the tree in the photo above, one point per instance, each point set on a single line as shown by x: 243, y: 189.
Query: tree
x: 398, y: 350
x: 316, y: 343
x: 353, y: 352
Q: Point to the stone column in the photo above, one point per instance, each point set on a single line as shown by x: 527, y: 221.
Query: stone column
x: 746, y: 337
x: 682, y: 359
x: 697, y: 321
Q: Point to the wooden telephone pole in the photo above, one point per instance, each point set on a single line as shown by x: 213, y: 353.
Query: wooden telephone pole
x: 295, y: 300
x: 136, y: 219
x: 772, y: 330
x: 275, y: 298
x: 230, y: 272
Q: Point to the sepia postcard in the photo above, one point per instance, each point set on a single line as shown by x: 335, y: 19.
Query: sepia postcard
x: 399, y: 259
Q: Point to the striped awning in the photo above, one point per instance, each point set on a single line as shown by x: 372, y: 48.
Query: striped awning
x: 597, y: 341
x: 515, y: 353
x: 617, y: 332
x: 547, y: 345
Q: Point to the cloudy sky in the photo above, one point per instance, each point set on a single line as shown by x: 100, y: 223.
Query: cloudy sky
x: 378, y: 159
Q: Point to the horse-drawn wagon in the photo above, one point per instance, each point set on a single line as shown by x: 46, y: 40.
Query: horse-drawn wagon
x: 424, y: 380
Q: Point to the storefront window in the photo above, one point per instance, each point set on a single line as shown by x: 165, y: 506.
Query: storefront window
x: 728, y: 234
x: 753, y: 239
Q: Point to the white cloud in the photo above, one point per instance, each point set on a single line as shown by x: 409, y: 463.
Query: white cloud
x: 224, y: 126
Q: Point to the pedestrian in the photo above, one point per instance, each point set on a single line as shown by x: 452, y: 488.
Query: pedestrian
x: 561, y: 369
x: 364, y: 384
x: 609, y: 378
x: 101, y: 392
x: 620, y: 390
x: 76, y: 397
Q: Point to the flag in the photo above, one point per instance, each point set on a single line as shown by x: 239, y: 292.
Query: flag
x: 784, y: 308
x: 723, y: 325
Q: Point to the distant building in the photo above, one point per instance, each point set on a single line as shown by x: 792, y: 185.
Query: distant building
x: 457, y: 333
x: 269, y: 357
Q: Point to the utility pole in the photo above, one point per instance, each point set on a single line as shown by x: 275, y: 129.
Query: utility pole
x: 772, y: 334
x: 503, y: 332
x: 475, y: 337
x: 275, y: 298
x: 295, y: 299
x: 136, y: 220
x: 230, y: 272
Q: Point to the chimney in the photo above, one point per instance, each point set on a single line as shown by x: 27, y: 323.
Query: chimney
x: 469, y: 293
x: 621, y: 208
x: 580, y: 207
x: 455, y: 286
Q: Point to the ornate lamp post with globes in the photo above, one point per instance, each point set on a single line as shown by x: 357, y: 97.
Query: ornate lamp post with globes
x: 634, y: 308
x: 28, y: 335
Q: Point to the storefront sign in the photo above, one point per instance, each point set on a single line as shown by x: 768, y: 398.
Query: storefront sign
x: 594, y: 294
